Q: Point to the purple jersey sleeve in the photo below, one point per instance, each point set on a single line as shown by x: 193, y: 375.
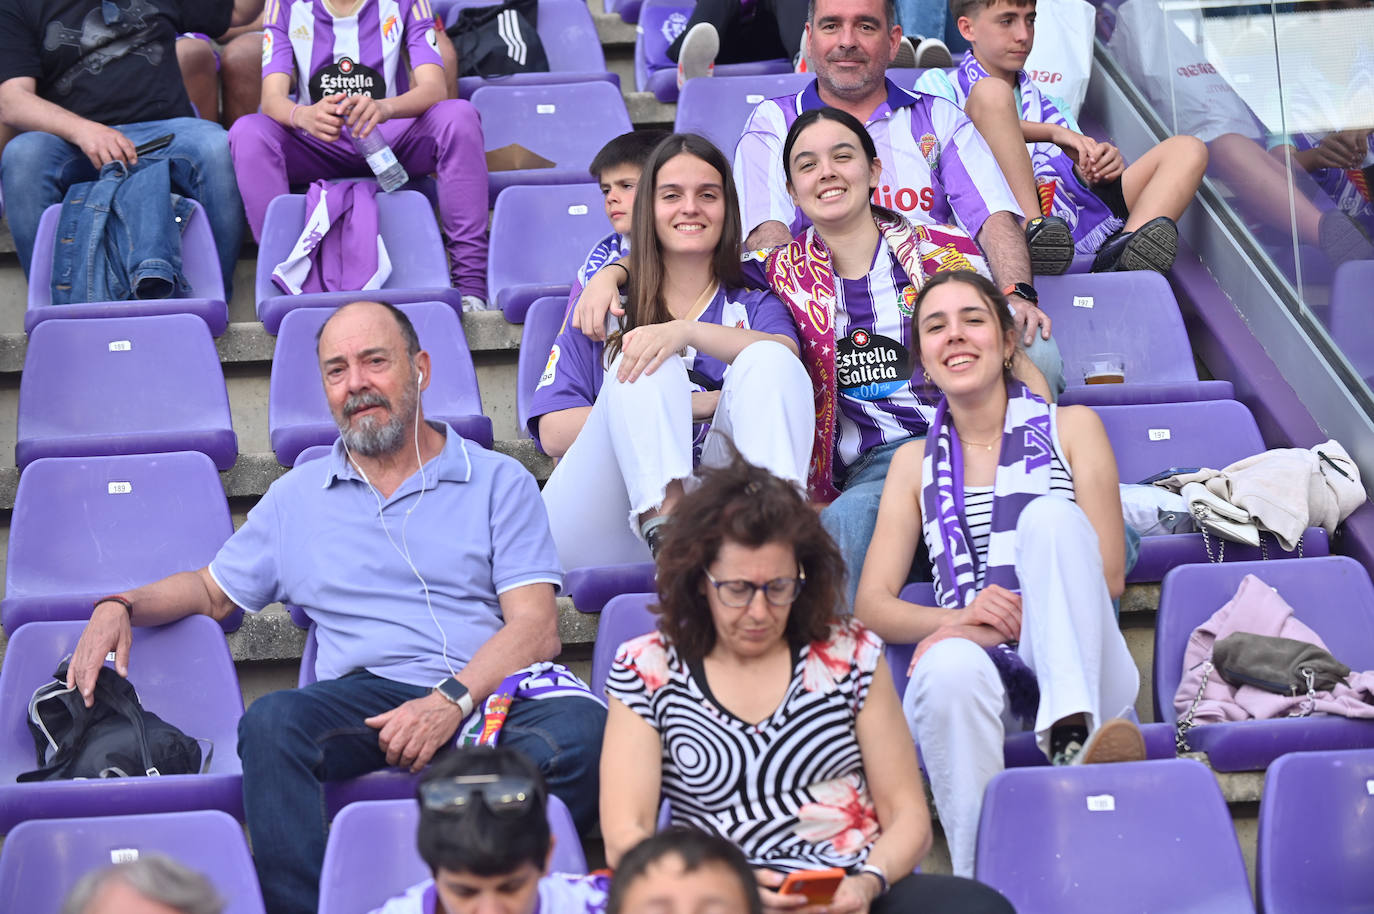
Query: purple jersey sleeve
x: 767, y: 314
x: 422, y: 42
x: 970, y: 175
x: 277, y: 53
x: 571, y: 378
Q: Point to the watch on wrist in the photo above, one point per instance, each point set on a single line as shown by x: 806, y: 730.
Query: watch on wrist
x: 457, y: 693
x: 1025, y: 290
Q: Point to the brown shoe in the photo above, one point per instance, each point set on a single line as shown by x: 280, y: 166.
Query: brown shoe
x: 1117, y: 740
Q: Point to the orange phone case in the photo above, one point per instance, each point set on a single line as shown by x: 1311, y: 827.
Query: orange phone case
x: 817, y: 885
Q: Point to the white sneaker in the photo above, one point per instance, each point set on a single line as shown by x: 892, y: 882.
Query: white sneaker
x: 932, y: 54
x: 473, y: 303
x: 697, y: 56
x: 905, y: 58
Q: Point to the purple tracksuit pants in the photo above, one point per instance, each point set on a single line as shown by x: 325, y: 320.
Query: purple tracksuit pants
x: 446, y: 140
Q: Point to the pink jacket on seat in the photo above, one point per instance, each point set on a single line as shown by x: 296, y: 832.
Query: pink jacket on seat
x: 1259, y: 609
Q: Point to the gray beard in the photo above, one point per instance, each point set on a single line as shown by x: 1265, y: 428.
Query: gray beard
x: 372, y: 438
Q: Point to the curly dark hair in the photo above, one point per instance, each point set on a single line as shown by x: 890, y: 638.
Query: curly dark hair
x: 743, y: 504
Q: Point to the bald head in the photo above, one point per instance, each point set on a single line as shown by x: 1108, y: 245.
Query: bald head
x: 403, y: 324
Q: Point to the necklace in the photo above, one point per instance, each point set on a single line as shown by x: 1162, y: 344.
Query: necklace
x: 987, y: 447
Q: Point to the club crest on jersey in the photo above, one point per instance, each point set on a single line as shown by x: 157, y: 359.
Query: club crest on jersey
x: 391, y: 29
x: 907, y: 303
x: 930, y: 148
x: 550, y: 369
x: 1045, y: 187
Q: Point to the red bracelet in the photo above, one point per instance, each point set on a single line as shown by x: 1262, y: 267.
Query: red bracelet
x: 115, y: 598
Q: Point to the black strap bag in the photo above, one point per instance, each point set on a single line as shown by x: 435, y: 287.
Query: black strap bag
x: 115, y: 737
x: 499, y: 40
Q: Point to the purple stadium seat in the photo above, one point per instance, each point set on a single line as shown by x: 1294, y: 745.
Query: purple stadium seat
x: 199, y: 266
x: 628, y: 10
x: 123, y: 385
x: 85, y: 527
x: 371, y: 853
x: 1331, y: 594
x: 540, y: 237
x: 298, y: 415
x: 659, y: 23
x: 1019, y: 749
x: 567, y: 125
x: 626, y: 616
x: 1316, y: 834
x: 1349, y: 318
x: 567, y: 32
x: 1136, y: 836
x: 42, y: 861
x: 419, y: 264
x: 592, y: 587
x: 183, y: 673
x: 1134, y: 314
x: 542, y: 323
x: 718, y: 108
x: 1150, y: 438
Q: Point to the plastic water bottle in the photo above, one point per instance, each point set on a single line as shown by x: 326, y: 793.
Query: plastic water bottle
x: 391, y: 174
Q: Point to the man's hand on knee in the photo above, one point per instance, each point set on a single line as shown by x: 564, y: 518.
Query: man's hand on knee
x: 411, y: 733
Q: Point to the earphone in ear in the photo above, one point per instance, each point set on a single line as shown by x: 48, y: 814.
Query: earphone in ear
x: 420, y: 378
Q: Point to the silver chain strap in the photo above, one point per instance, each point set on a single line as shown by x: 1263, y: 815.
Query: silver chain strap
x: 1200, y: 511
x: 1186, y: 724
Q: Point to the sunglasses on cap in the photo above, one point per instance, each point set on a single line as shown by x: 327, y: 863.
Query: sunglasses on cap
x: 504, y: 796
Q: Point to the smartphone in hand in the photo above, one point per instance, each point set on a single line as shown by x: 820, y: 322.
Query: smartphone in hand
x: 161, y: 142
x: 818, y: 886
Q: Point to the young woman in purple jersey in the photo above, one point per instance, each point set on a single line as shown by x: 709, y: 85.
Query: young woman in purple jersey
x: 695, y: 359
x: 1017, y: 502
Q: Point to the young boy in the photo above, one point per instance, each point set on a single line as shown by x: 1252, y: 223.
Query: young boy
x: 485, y: 837
x: 616, y: 168
x: 1126, y: 215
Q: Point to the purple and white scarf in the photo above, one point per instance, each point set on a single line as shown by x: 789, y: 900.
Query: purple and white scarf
x: 1061, y: 192
x: 1023, y: 473
x: 539, y: 680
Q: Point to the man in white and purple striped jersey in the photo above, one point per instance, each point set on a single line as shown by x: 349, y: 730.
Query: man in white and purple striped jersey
x: 936, y: 166
x: 344, y: 62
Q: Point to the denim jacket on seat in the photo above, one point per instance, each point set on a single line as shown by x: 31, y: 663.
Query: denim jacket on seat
x: 119, y: 237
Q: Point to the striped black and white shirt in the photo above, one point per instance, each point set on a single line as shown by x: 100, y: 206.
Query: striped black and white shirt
x: 978, y: 508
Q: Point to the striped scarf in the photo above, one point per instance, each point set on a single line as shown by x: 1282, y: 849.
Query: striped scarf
x: 802, y: 275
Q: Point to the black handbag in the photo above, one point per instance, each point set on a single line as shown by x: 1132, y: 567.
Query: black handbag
x: 499, y: 40
x: 1282, y: 665
x: 115, y: 737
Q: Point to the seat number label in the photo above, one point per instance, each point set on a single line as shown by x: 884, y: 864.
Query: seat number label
x: 120, y: 488
x: 120, y: 345
x: 1103, y: 802
x: 1082, y: 301
x: 1159, y: 434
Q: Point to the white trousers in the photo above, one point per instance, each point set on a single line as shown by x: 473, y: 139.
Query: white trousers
x: 638, y: 439
x: 955, y: 703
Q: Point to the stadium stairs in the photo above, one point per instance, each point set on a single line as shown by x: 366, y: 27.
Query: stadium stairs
x: 267, y: 648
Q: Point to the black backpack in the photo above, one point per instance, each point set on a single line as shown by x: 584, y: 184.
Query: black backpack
x: 499, y: 40
x: 115, y: 737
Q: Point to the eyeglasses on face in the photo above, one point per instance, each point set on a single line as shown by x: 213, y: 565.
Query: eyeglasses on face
x: 739, y: 594
x: 504, y: 796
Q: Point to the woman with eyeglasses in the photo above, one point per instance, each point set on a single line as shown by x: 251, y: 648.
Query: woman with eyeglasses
x: 765, y: 716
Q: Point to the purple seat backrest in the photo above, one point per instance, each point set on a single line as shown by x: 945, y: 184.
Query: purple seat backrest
x: 542, y: 323
x: 84, y: 527
x: 405, y: 219
x: 1133, y: 313
x: 43, y: 860
x: 1150, y: 438
x: 719, y: 108
x: 297, y: 413
x: 1085, y: 838
x: 591, y: 587
x: 1316, y: 833
x: 1332, y: 595
x: 183, y: 673
x: 123, y: 385
x: 199, y: 268
x: 540, y: 237
x: 565, y: 124
x: 566, y: 30
x: 660, y: 22
x: 1350, y: 314
x: 626, y: 616
x: 371, y: 853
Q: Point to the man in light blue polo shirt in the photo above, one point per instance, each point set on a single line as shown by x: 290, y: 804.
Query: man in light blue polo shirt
x: 421, y: 559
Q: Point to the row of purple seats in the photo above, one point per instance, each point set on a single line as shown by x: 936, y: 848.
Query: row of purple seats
x: 42, y: 860
x: 539, y: 238
x: 123, y: 385
x: 371, y: 854
x: 298, y: 415
x: 659, y: 23
x: 199, y: 264
x: 567, y: 32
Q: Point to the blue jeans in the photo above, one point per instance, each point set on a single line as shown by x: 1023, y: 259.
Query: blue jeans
x: 37, y: 168
x: 292, y: 741
x: 850, y: 519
